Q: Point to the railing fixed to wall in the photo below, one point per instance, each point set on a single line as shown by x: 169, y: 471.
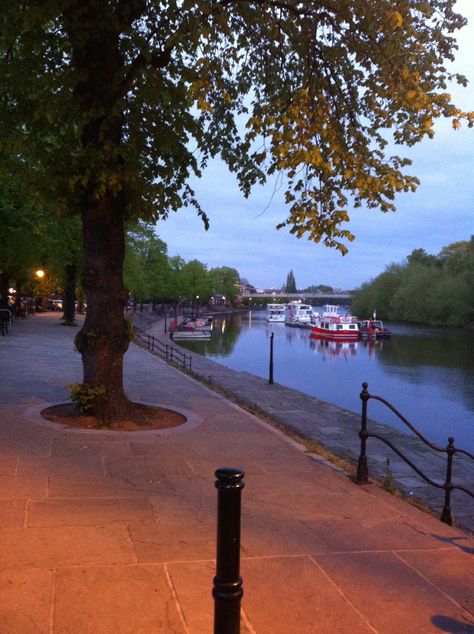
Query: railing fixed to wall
x: 450, y: 451
x: 171, y: 353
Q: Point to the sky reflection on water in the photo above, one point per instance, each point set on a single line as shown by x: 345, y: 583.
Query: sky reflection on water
x: 427, y: 374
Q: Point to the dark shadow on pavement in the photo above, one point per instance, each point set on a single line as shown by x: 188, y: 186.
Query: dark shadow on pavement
x: 453, y: 626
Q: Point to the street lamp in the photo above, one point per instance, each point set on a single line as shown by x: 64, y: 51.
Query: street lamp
x: 40, y: 273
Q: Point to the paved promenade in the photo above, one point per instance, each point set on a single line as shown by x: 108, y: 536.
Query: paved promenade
x: 114, y: 532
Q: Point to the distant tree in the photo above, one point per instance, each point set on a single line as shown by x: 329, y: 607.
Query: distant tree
x: 194, y: 281
x: 428, y: 289
x: 290, y: 286
x: 419, y: 256
x: 225, y: 280
x: 320, y: 288
x: 147, y: 271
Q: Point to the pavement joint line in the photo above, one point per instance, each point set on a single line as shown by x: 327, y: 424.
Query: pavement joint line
x: 343, y: 596
x: 52, y: 607
x: 428, y: 580
x: 27, y: 514
x: 246, y: 621
x: 174, y: 594
x: 132, y: 543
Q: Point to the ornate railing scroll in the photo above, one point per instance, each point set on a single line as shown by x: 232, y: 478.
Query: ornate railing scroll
x: 362, y: 476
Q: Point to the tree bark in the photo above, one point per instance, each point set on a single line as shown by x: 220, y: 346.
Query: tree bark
x: 69, y: 295
x: 104, y: 339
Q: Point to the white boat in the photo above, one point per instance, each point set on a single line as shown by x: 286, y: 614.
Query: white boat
x: 331, y: 325
x: 193, y: 329
x: 298, y: 314
x: 276, y: 312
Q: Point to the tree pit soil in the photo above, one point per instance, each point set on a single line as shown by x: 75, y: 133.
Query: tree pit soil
x: 139, y: 417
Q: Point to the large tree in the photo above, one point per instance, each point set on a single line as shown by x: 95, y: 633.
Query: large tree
x: 123, y: 100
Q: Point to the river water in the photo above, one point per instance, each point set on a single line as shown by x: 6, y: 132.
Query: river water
x: 426, y: 373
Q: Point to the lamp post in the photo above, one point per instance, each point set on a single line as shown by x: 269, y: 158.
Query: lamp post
x: 40, y: 274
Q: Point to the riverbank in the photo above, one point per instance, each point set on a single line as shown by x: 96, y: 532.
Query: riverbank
x: 333, y: 432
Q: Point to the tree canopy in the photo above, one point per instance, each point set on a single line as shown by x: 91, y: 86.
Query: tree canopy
x: 116, y: 104
x: 151, y: 275
x: 318, y: 86
x: 429, y: 289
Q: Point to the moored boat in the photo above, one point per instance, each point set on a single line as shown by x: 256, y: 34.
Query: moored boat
x: 276, y: 312
x: 298, y: 314
x: 331, y: 325
x: 193, y: 329
x: 373, y: 329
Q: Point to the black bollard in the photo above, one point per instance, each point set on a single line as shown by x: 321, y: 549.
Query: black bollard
x: 270, y: 372
x: 227, y: 590
x: 362, y: 468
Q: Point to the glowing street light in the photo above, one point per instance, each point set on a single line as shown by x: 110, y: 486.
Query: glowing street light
x: 40, y: 273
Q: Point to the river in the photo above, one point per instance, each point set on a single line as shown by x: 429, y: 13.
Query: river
x: 426, y: 373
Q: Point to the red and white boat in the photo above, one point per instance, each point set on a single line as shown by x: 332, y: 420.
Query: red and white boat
x: 331, y: 325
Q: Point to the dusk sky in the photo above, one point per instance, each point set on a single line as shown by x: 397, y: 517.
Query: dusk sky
x: 242, y: 232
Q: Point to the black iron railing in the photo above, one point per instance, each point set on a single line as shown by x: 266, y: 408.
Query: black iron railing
x: 450, y: 451
x: 168, y: 351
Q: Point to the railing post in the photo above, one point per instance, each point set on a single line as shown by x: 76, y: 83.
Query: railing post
x: 270, y: 371
x: 227, y: 590
x: 362, y: 468
x: 153, y: 344
x: 166, y: 351
x: 446, y: 516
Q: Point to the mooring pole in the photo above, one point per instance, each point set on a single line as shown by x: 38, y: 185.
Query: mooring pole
x: 227, y: 590
x: 270, y: 371
x: 362, y: 468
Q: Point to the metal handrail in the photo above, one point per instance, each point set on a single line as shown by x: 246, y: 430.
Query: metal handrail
x: 171, y: 353
x: 362, y: 476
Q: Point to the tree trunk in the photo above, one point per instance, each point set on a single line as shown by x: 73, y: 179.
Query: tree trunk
x: 94, y: 34
x: 69, y: 295
x: 104, y: 337
x: 4, y: 286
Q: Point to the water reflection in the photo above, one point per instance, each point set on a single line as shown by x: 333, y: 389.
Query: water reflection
x: 329, y: 350
x: 225, y: 332
x: 426, y: 373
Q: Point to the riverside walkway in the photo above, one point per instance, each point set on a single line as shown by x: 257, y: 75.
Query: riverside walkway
x: 114, y: 532
x: 337, y: 430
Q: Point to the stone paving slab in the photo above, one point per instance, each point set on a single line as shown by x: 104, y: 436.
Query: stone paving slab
x: 300, y: 587
x: 108, y: 534
x: 121, y: 599
x: 25, y: 600
x: 393, y: 597
x: 65, y: 546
